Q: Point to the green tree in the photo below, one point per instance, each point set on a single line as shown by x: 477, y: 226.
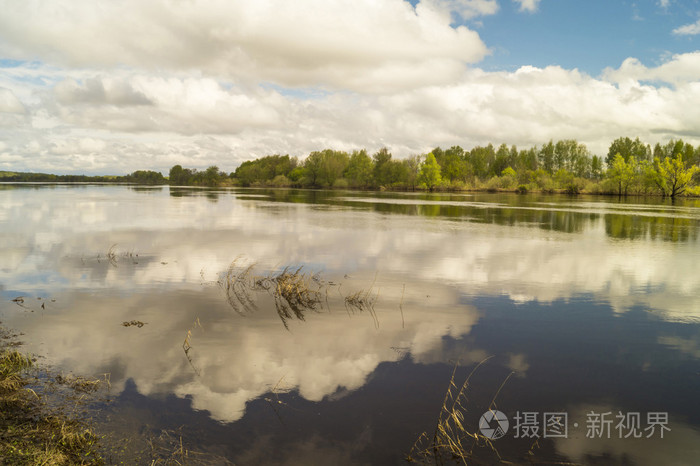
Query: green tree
x: 212, y: 176
x: 333, y: 164
x: 176, y: 174
x: 596, y: 167
x: 359, y: 170
x: 622, y: 173
x: 480, y: 159
x: 412, y: 169
x: 145, y: 177
x: 382, y: 169
x: 546, y: 157
x: 312, y: 168
x: 453, y: 166
x: 672, y: 176
x: 527, y: 160
x: 500, y: 161
x: 627, y: 148
x: 430, y: 173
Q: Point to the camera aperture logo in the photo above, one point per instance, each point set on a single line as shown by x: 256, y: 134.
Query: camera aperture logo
x: 493, y: 424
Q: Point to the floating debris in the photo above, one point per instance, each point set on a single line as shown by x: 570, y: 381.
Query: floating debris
x: 134, y: 323
x: 79, y: 384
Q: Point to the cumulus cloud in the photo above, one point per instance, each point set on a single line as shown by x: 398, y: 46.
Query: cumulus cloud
x: 149, y: 120
x: 688, y: 29
x: 9, y: 103
x: 679, y: 70
x: 528, y: 5
x: 339, y: 44
x: 183, y: 82
x: 183, y: 106
x: 98, y: 90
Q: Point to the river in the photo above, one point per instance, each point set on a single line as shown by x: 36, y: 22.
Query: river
x: 324, y: 327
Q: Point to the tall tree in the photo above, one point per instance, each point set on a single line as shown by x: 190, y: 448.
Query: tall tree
x: 382, y: 173
x: 359, y: 171
x: 333, y: 164
x: 622, y: 173
x: 452, y: 164
x: 627, y: 148
x: 546, y: 157
x: 672, y: 176
x: 312, y: 168
x: 596, y: 167
x: 413, y: 166
x: 481, y: 159
x: 430, y: 172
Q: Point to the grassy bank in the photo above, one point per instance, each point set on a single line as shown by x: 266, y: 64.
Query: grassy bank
x: 31, y: 431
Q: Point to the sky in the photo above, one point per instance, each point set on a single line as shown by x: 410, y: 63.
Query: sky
x: 109, y: 87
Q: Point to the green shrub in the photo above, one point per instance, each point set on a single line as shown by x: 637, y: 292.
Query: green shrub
x: 341, y: 183
x: 281, y: 181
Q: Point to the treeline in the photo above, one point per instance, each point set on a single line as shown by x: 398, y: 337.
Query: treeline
x: 22, y: 177
x: 137, y: 177
x: 179, y: 176
x: 630, y: 167
x: 563, y: 166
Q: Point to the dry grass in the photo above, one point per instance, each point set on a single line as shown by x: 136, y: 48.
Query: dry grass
x: 452, y: 441
x: 238, y: 283
x: 295, y: 291
x: 168, y: 449
x: 30, y: 433
x: 12, y: 363
x: 187, y: 345
x: 79, y: 384
x: 364, y: 300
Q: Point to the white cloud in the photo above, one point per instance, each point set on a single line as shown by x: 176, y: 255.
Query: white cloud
x: 100, y: 91
x: 339, y: 44
x: 181, y: 83
x: 688, y: 30
x: 9, y: 103
x: 154, y: 120
x: 528, y: 5
x: 466, y: 9
x: 679, y: 70
x: 664, y: 3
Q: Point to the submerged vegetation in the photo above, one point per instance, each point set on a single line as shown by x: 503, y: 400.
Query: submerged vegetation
x: 295, y: 292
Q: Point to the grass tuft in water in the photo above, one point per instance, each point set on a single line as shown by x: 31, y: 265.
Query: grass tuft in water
x: 295, y: 291
x: 452, y: 441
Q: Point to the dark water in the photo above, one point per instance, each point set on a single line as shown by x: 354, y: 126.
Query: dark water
x: 583, y: 306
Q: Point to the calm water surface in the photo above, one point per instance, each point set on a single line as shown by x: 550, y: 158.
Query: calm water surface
x: 585, y: 306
